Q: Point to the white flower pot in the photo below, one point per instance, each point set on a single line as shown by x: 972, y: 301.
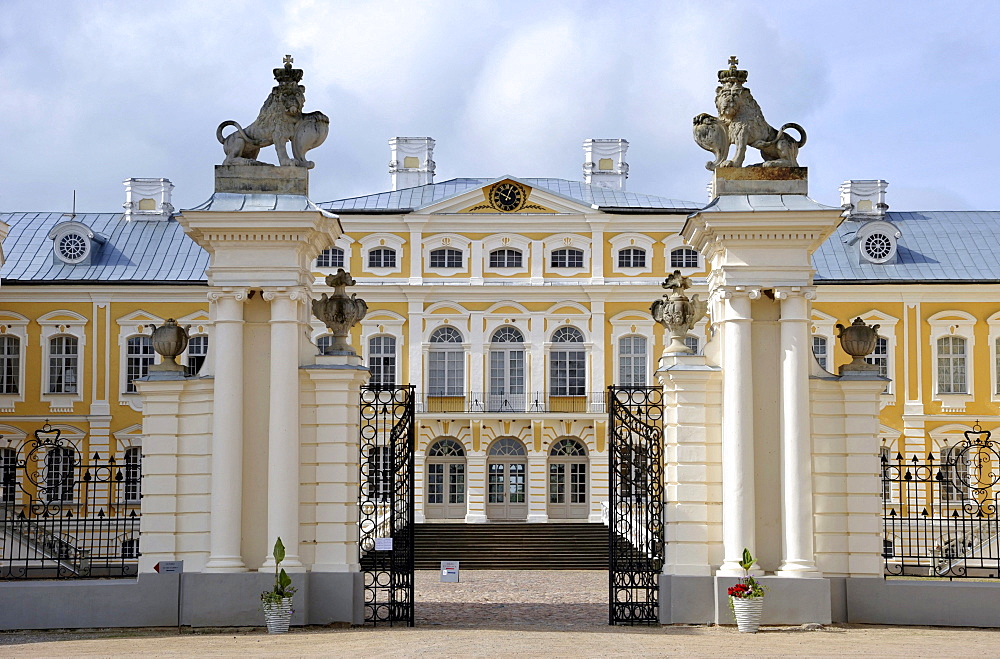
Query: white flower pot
x: 278, y: 616
x: 748, y: 612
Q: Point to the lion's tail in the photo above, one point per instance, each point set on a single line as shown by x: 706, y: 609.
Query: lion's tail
x: 802, y: 133
x: 239, y: 129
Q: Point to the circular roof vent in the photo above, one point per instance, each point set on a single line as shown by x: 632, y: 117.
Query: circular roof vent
x: 877, y: 242
x: 74, y: 243
x: 73, y: 247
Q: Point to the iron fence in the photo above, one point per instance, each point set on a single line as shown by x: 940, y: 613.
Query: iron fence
x: 940, y: 514
x: 594, y: 402
x: 65, y: 516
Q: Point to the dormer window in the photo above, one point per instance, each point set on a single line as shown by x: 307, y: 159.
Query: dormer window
x: 876, y: 242
x: 74, y: 243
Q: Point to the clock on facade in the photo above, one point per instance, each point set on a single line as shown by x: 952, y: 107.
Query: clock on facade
x: 507, y: 197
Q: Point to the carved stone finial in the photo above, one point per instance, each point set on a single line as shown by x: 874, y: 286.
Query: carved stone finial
x: 280, y: 122
x: 677, y: 313
x: 741, y: 124
x: 858, y: 340
x: 169, y: 340
x: 339, y: 312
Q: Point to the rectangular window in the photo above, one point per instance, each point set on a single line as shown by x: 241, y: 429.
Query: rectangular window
x: 63, y: 364
x: 10, y: 364
x: 8, y: 474
x: 632, y: 361
x: 197, y: 351
x: 456, y: 483
x: 515, y: 486
x: 951, y: 365
x: 496, y: 483
x: 568, y: 373
x: 683, y: 257
x: 578, y: 482
x: 382, y: 257
x: 632, y: 258
x: 445, y: 372
x: 819, y: 349
x: 133, y: 475
x: 139, y: 357
x: 446, y: 258
x: 505, y: 258
x: 330, y: 258
x: 435, y: 483
x: 557, y: 483
x: 382, y: 359
x: 567, y: 258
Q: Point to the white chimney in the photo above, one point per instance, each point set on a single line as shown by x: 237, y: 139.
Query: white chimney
x: 864, y: 200
x: 604, y: 163
x: 148, y: 199
x: 412, y: 162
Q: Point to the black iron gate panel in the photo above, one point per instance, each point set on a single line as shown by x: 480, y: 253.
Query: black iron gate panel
x: 65, y: 516
x: 635, y: 510
x: 940, y: 515
x: 386, y: 503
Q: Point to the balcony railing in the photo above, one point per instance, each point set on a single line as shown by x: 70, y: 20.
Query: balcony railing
x: 478, y: 402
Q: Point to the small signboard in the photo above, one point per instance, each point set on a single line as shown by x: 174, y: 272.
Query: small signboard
x: 449, y: 572
x: 166, y: 567
x: 383, y: 544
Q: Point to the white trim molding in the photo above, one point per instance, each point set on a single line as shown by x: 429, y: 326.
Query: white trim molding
x: 507, y: 241
x: 960, y: 324
x: 15, y: 325
x: 635, y: 241
x: 566, y: 241
x: 994, y: 334
x: 676, y: 241
x: 446, y: 241
x: 377, y: 240
x: 63, y: 323
x: 887, y: 330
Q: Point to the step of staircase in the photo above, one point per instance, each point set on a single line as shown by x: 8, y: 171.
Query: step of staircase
x: 512, y: 546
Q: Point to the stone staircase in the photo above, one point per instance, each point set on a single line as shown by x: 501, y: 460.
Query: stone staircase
x: 512, y: 546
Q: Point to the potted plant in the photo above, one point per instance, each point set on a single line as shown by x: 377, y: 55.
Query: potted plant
x: 746, y: 599
x: 277, y: 602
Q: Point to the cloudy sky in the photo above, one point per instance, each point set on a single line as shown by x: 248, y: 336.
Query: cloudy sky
x: 95, y: 92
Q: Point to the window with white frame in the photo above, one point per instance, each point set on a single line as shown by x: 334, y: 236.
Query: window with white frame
x: 506, y: 258
x: 820, y: 346
x: 683, y: 257
x: 197, y: 351
x: 60, y: 472
x: 382, y: 257
x: 324, y: 344
x: 692, y: 343
x: 130, y: 548
x: 507, y: 370
x: 632, y: 257
x: 139, y: 356
x: 951, y: 365
x: 632, y: 362
x: 567, y: 258
x: 63, y: 364
x: 880, y: 356
x: 133, y: 474
x: 330, y: 258
x: 567, y: 363
x: 446, y: 363
x: 446, y: 258
x: 10, y: 364
x: 382, y: 359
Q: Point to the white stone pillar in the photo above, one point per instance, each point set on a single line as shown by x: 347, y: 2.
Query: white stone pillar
x: 283, y: 427
x: 798, y: 556
x: 225, y: 551
x: 738, y: 516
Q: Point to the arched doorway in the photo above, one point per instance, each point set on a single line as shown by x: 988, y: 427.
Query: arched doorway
x: 568, y: 490
x: 507, y: 471
x: 446, y: 498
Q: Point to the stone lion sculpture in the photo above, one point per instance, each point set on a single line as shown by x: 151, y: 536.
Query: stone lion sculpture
x: 741, y: 124
x: 280, y: 122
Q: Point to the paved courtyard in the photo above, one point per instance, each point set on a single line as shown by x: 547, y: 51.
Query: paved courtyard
x: 494, y: 613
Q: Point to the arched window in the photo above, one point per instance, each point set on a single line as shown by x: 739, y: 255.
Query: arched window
x: 819, y: 349
x: 507, y: 370
x: 505, y: 258
x: 632, y: 257
x: 683, y: 257
x: 951, y: 365
x: 139, y: 356
x: 446, y: 363
x: 445, y: 480
x: 10, y: 364
x: 567, y: 258
x: 330, y: 258
x: 446, y: 258
x: 382, y: 257
x: 197, y: 351
x: 133, y: 474
x: 8, y: 474
x: 567, y: 480
x: 60, y: 468
x: 567, y: 363
x: 63, y: 360
x: 632, y: 361
x: 382, y: 359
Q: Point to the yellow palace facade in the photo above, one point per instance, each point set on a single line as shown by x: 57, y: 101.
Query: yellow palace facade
x: 511, y: 303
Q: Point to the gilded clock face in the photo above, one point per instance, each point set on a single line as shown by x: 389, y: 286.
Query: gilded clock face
x: 507, y: 197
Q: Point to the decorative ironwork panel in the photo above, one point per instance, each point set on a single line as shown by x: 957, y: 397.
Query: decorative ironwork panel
x: 635, y: 516
x: 940, y: 514
x: 386, y: 503
x: 66, y: 516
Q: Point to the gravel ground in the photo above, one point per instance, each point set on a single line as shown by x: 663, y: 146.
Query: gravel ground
x: 493, y: 613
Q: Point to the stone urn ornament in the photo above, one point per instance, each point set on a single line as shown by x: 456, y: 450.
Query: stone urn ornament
x: 858, y: 340
x: 169, y: 340
x: 339, y: 312
x: 678, y: 313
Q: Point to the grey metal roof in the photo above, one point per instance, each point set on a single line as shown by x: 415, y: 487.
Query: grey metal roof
x: 233, y: 201
x: 411, y: 199
x: 765, y: 202
x: 139, y: 251
x: 936, y: 246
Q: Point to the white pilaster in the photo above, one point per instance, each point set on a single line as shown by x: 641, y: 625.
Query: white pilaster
x: 537, y: 262
x: 225, y: 553
x: 798, y: 558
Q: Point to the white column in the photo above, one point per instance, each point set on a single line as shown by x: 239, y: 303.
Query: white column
x: 737, y: 434
x: 798, y: 558
x: 226, y: 505
x: 283, y: 428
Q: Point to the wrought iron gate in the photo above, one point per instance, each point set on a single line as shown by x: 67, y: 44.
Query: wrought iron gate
x: 386, y: 503
x: 635, y: 514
